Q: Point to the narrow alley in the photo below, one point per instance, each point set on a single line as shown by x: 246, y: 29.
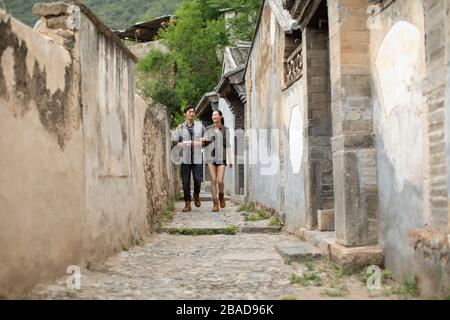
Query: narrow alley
x: 198, y: 256
x: 326, y: 125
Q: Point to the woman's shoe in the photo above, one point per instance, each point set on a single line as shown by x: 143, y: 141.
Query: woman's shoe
x: 222, y: 200
x: 215, y: 206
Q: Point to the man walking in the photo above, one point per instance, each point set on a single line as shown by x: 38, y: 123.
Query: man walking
x: 188, y: 137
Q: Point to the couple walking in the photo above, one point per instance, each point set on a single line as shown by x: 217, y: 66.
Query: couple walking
x: 191, y: 137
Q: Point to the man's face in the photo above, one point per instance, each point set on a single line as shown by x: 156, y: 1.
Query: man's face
x: 190, y: 114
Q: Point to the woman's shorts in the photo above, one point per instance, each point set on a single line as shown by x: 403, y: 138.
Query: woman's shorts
x: 218, y: 164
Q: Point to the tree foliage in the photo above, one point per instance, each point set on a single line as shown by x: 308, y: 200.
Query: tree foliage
x: 155, y: 80
x: 243, y: 24
x: 194, y: 41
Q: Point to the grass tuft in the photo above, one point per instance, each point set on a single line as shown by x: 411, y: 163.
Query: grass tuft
x: 308, y: 278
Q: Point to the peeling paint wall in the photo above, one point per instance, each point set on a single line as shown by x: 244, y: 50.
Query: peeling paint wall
x: 115, y: 188
x: 264, y: 101
x: 398, y: 67
x: 295, y: 149
x: 43, y: 221
x: 84, y: 162
x: 278, y: 117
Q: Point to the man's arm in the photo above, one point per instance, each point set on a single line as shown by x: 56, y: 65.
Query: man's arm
x: 176, y: 141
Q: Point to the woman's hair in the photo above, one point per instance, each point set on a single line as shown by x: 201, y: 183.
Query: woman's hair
x: 220, y: 113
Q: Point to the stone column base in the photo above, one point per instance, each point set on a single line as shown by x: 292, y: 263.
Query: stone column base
x: 354, y: 259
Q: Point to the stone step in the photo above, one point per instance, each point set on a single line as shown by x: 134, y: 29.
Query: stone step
x: 298, y: 252
x: 261, y: 229
x: 221, y: 230
x: 322, y: 240
x: 198, y: 231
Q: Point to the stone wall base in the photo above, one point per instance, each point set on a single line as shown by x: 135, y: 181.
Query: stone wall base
x: 431, y: 260
x: 354, y: 259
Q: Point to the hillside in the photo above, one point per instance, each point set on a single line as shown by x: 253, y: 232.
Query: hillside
x: 116, y: 14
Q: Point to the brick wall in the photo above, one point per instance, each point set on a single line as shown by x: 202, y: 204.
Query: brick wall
x: 435, y: 85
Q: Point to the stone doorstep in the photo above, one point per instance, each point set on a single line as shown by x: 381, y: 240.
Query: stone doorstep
x: 350, y: 258
x: 322, y: 240
x: 238, y: 199
x: 302, y: 251
x: 325, y: 220
x: 353, y: 259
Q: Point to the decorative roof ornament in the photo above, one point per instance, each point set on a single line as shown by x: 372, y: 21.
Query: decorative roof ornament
x: 283, y: 16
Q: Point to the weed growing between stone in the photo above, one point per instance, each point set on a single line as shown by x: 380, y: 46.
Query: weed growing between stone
x: 274, y: 221
x: 230, y: 230
x: 164, y: 217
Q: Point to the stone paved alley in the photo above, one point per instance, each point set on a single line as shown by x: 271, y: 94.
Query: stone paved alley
x: 240, y: 266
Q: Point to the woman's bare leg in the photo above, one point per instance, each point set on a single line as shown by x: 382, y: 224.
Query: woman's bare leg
x: 220, y: 177
x: 213, y: 174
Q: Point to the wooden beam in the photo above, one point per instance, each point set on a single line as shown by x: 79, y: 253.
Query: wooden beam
x: 309, y: 13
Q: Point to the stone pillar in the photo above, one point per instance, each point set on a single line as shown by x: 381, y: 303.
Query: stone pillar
x: 354, y: 155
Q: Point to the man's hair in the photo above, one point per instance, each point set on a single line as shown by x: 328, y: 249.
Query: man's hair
x: 188, y: 108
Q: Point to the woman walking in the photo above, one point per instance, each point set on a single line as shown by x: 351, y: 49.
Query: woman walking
x: 218, y: 151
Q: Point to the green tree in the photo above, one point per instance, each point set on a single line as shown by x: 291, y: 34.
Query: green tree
x: 155, y: 80
x: 244, y: 23
x: 194, y: 40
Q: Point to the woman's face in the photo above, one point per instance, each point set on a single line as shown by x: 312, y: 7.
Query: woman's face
x: 216, y: 117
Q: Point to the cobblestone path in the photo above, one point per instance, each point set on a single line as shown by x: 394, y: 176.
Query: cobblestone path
x: 241, y: 266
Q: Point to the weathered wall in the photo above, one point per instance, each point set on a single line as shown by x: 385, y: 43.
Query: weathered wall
x: 398, y: 67
x: 160, y: 177
x: 115, y: 190
x: 431, y: 244
x: 43, y: 221
x: 264, y: 99
x: 76, y: 183
x: 140, y: 50
x: 278, y: 172
x: 294, y: 154
x: 229, y: 122
x: 436, y: 20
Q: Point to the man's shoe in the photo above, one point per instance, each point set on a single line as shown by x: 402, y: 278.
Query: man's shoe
x: 222, y: 200
x: 187, y: 206
x: 197, y: 200
x: 215, y: 206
